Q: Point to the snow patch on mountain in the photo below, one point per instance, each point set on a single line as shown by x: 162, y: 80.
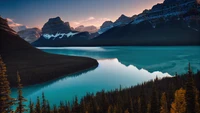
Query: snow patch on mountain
x: 59, y: 35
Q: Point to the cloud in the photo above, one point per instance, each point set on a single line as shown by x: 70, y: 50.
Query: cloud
x: 89, y: 21
x: 11, y: 23
x: 91, y: 18
x: 15, y: 26
x: 198, y: 1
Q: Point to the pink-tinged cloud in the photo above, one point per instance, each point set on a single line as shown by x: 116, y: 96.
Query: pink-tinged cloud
x: 91, y: 18
x: 89, y: 21
x: 198, y: 1
x: 15, y: 26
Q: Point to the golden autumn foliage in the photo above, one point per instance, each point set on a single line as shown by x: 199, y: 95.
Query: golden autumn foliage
x: 179, y: 104
x: 164, y: 107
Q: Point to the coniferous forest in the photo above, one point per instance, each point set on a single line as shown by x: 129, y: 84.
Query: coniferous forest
x: 179, y: 94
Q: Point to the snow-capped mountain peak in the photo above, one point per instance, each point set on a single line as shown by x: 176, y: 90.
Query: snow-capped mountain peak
x: 59, y: 35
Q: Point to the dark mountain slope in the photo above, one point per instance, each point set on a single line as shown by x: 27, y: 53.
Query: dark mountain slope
x: 34, y: 65
x: 173, y: 32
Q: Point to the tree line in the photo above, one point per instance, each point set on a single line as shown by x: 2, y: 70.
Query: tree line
x: 179, y: 94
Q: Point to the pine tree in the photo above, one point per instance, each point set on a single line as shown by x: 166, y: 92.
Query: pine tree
x: 164, y: 107
x: 37, y: 107
x: 55, y: 109
x: 44, y: 104
x: 31, y: 107
x: 48, y: 107
x: 143, y: 103
x: 139, y: 105
x: 110, y: 109
x: 21, y: 107
x: 131, y: 106
x: 179, y: 104
x: 5, y: 100
x: 190, y: 92
x: 154, y: 101
x: 67, y: 107
x: 61, y: 108
x: 197, y: 104
x: 75, y: 107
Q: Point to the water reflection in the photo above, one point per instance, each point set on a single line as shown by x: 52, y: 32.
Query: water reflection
x: 110, y: 74
x: 164, y: 59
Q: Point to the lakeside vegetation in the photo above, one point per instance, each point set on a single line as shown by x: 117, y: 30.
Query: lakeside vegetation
x: 179, y: 94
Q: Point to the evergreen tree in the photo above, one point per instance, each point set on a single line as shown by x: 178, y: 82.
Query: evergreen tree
x: 21, y: 107
x: 190, y: 92
x: 143, y: 103
x: 31, y: 107
x: 61, y: 108
x: 48, y: 107
x: 154, y: 101
x: 139, y: 105
x: 44, y: 104
x: 37, y: 107
x: 5, y: 100
x: 179, y: 104
x: 148, y: 108
x: 75, y: 107
x: 131, y: 106
x: 197, y: 105
x: 55, y: 109
x: 67, y: 107
x: 110, y: 109
x: 164, y: 107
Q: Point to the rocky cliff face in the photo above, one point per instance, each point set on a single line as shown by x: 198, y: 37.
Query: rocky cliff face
x: 30, y: 35
x: 55, y: 25
x: 106, y: 24
x: 122, y: 20
x: 174, y: 31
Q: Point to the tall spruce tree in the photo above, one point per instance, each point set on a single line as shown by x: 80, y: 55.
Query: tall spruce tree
x: 154, y: 101
x: 20, y: 107
x: 5, y: 100
x: 31, y: 107
x: 143, y: 100
x: 163, y: 102
x: 44, y: 104
x: 190, y: 92
x: 48, y: 107
x: 37, y: 107
x: 179, y: 104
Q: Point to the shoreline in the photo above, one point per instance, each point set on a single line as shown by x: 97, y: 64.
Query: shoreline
x: 73, y: 74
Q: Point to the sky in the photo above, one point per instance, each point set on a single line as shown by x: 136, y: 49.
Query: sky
x: 35, y: 13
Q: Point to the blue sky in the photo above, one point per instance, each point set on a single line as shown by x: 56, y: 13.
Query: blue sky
x: 34, y: 13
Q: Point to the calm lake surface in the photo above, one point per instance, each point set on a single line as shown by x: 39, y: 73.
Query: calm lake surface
x: 125, y: 66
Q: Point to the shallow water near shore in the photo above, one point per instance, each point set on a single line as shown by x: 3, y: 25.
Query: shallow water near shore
x: 125, y: 66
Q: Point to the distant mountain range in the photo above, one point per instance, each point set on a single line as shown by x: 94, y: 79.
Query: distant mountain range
x: 174, y: 22
x: 30, y: 35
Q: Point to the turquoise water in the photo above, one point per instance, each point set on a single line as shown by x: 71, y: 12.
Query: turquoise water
x: 125, y: 66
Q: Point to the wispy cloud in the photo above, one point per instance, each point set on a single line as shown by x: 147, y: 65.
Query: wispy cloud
x: 91, y: 18
x: 15, y: 26
x: 11, y: 23
x: 198, y: 1
x: 90, y: 21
